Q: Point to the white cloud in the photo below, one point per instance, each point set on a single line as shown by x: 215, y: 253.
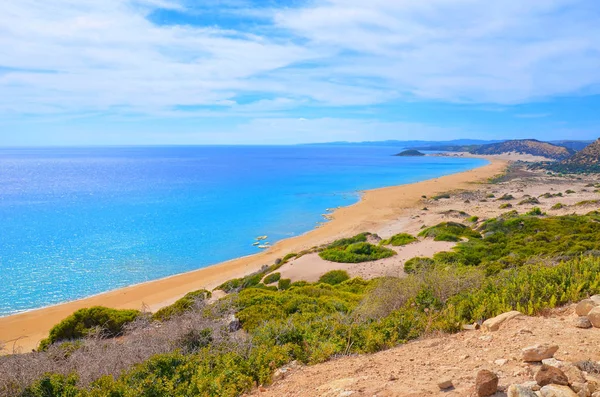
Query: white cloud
x: 108, y: 56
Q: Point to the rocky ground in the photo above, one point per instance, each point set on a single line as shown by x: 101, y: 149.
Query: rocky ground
x: 478, y: 362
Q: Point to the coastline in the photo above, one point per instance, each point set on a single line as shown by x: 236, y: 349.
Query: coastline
x: 376, y: 208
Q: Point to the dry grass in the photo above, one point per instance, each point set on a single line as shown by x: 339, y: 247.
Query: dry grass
x: 97, y: 356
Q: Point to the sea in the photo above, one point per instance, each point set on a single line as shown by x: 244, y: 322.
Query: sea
x: 75, y: 222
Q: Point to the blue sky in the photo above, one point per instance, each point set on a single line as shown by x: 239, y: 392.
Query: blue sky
x: 275, y: 72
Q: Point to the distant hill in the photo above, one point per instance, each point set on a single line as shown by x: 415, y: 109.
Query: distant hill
x: 575, y: 145
x: 526, y: 146
x: 410, y: 153
x: 409, y: 144
x: 586, y: 160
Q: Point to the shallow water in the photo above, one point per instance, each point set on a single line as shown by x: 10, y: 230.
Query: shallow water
x: 79, y: 221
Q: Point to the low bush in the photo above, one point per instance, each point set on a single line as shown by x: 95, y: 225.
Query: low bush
x: 529, y: 200
x: 449, y: 231
x: 272, y: 278
x: 334, y: 277
x: 110, y: 322
x: 505, y: 197
x: 557, y: 206
x: 441, y: 196
x: 182, y: 305
x: 505, y: 205
x: 535, y: 211
x: 417, y: 264
x: 473, y: 219
x: 356, y: 253
x: 399, y: 240
x: 284, y: 284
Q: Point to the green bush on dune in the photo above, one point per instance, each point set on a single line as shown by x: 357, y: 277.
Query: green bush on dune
x: 79, y: 324
x: 449, y: 231
x: 356, y: 253
x: 334, y: 277
x: 399, y: 240
x: 271, y: 278
x: 182, y: 305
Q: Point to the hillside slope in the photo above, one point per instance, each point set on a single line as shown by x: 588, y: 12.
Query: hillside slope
x: 415, y: 369
x: 587, y: 160
x: 526, y: 146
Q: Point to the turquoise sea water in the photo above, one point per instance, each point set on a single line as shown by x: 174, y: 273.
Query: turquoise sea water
x: 79, y: 221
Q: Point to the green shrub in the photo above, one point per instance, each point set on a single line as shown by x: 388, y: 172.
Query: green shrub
x: 473, y: 219
x: 505, y: 205
x: 284, y: 283
x: 570, y: 191
x: 356, y: 253
x: 399, y: 240
x: 111, y: 323
x: 289, y: 256
x: 182, y: 305
x: 334, y: 277
x: 557, y: 206
x: 529, y: 200
x: 449, y: 231
x: 415, y: 264
x: 490, y: 195
x: 535, y: 211
x: 271, y: 278
x: 344, y: 242
x: 505, y: 197
x: 441, y: 196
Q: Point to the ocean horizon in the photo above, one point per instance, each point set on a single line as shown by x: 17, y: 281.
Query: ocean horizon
x: 79, y: 221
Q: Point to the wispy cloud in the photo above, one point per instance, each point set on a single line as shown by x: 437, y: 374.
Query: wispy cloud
x: 109, y: 56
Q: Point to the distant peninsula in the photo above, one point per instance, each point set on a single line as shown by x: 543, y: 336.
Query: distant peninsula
x: 410, y: 153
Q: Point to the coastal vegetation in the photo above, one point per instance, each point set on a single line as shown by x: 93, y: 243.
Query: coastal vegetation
x: 511, y: 262
x: 399, y: 240
x: 182, y: 305
x: 585, y: 161
x: 354, y: 250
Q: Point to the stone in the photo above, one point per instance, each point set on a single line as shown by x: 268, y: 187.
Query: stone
x: 594, y: 317
x: 557, y: 391
x: 552, y: 362
x: 501, y: 361
x: 548, y: 375
x: 573, y: 373
x: 596, y: 298
x: 583, y: 322
x: 486, y: 383
x: 582, y: 389
x: 519, y: 391
x: 234, y: 324
x: 585, y: 306
x: 531, y: 385
x: 445, y: 384
x: 493, y: 324
x: 539, y: 352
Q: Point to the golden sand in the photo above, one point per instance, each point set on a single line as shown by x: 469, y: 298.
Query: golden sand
x: 377, y: 207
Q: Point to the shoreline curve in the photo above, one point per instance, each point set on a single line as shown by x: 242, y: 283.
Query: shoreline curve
x: 376, y: 207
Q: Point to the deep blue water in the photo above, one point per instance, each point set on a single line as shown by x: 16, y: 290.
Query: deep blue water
x: 79, y: 221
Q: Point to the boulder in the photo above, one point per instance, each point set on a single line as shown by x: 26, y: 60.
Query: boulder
x: 445, y: 384
x: 584, y: 307
x: 519, y: 391
x: 548, y: 375
x: 493, y: 324
x: 594, y: 317
x: 583, y: 322
x: 539, y: 352
x: 486, y: 383
x: 234, y: 324
x: 557, y: 391
x: 573, y: 373
x: 596, y: 298
x: 582, y: 389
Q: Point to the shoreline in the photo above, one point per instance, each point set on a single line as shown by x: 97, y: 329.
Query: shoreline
x: 375, y: 208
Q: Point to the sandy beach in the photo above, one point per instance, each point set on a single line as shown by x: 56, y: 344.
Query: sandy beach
x: 386, y: 210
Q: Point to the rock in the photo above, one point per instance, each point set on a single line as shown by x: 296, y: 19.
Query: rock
x: 539, y: 352
x: 548, y: 375
x: 280, y: 374
x: 584, y: 307
x: 493, y: 324
x: 573, y: 373
x: 519, y: 391
x: 234, y: 324
x: 445, y: 384
x: 471, y: 327
x: 486, y: 383
x: 583, y: 322
x: 596, y: 298
x: 582, y: 389
x: 594, y: 317
x: 501, y: 361
x: 557, y: 391
x: 552, y: 362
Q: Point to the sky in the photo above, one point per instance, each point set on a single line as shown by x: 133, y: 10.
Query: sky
x: 121, y: 72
